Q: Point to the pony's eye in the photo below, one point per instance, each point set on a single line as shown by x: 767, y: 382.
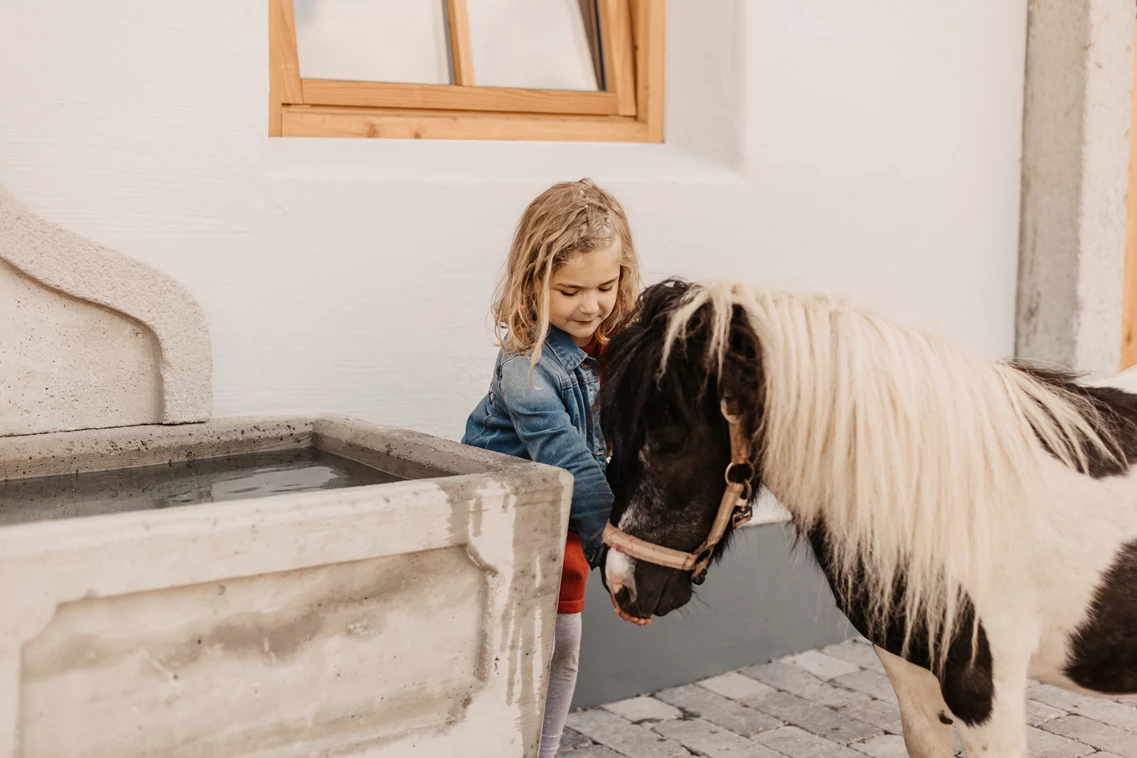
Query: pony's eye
x: 667, y: 445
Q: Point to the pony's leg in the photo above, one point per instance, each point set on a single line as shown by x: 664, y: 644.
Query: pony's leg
x: 923, y: 712
x: 1003, y: 735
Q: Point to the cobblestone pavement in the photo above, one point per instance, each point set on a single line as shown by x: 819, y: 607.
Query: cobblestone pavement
x: 830, y: 703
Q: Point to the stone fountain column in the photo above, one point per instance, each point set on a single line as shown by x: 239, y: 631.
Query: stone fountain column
x: 90, y: 338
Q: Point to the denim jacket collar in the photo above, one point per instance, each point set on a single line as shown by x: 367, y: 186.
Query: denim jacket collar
x: 568, y: 353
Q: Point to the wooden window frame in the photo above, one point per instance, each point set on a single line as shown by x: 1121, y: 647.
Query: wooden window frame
x: 633, y: 33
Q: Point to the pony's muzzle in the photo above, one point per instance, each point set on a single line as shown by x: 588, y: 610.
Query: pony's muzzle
x: 620, y: 572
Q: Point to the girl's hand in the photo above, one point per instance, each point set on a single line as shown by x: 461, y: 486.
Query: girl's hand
x: 629, y: 618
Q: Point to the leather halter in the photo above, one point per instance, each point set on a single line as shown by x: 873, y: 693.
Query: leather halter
x: 734, y: 508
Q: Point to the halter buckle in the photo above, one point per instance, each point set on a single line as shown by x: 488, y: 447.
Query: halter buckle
x: 741, y: 516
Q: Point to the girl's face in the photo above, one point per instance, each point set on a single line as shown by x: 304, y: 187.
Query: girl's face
x: 582, y: 292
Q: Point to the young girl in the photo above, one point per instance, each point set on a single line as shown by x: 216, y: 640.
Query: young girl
x: 571, y: 278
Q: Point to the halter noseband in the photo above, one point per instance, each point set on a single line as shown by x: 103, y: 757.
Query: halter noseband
x: 734, y: 508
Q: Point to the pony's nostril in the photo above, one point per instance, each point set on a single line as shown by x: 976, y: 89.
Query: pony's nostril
x: 623, y: 597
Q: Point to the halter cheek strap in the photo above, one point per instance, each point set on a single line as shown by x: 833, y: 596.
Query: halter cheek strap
x: 734, y: 509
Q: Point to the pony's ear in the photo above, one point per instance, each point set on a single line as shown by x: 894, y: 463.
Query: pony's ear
x: 660, y: 300
x: 741, y: 383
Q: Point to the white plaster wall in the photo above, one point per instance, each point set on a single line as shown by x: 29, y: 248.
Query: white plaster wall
x: 870, y: 148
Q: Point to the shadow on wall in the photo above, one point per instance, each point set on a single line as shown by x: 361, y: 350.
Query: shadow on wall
x: 760, y: 602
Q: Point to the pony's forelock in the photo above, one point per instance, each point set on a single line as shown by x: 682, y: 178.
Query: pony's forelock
x: 631, y: 366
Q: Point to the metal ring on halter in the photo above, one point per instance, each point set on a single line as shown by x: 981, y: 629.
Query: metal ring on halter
x: 734, y: 468
x: 743, y: 471
x: 702, y: 561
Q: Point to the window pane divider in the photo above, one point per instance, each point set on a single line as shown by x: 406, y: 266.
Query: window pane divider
x: 461, y: 52
x: 619, y: 60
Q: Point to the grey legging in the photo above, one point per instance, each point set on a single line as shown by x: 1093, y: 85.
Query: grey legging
x: 562, y: 681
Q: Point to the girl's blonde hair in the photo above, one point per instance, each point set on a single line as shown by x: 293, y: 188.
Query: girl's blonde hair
x: 566, y: 219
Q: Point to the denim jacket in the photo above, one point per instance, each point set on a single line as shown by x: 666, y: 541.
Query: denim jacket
x: 550, y: 419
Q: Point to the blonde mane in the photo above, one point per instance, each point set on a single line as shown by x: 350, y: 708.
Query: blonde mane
x: 919, y: 458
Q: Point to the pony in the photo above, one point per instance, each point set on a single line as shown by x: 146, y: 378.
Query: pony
x: 976, y: 520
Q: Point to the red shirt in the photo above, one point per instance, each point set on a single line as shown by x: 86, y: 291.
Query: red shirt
x: 574, y: 574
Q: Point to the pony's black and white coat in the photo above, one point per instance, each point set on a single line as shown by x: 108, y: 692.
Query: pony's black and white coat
x: 976, y: 520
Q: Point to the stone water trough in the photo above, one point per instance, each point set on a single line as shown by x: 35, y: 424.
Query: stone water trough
x: 179, y: 586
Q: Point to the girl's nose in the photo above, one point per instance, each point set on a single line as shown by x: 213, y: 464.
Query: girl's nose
x: 591, y: 303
